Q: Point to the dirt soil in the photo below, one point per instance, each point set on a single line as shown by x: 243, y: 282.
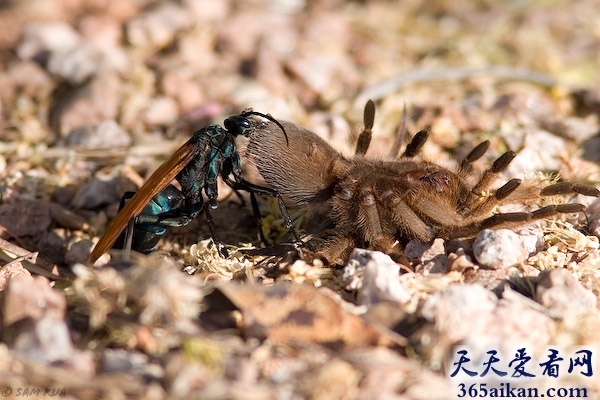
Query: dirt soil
x: 95, y: 95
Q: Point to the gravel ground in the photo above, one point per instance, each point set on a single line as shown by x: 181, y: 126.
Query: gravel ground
x: 95, y: 95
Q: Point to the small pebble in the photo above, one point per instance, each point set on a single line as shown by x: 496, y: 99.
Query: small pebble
x: 461, y: 310
x: 48, y: 339
x: 95, y: 193
x: 434, y: 259
x: 74, y: 65
x: 181, y: 84
x: 101, y: 30
x: 161, y: 111
x: 51, y: 247
x: 30, y: 298
x: 380, y: 277
x: 30, y: 218
x: 540, y: 151
x: 90, y: 104
x: 500, y: 248
x: 562, y: 294
x: 532, y: 238
x: 39, y: 40
x: 79, y: 252
x: 415, y: 249
x: 158, y: 26
x: 105, y: 135
x: 78, y: 64
x: 120, y: 360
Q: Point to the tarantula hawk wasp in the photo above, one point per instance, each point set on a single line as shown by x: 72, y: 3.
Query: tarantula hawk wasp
x: 382, y: 204
x: 196, y: 165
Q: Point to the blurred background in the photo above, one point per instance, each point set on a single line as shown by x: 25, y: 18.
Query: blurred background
x: 154, y: 65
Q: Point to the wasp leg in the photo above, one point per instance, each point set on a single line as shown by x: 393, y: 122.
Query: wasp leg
x: 128, y: 242
x: 257, y: 218
x: 241, y: 183
x: 211, y: 226
x: 128, y: 235
x: 242, y: 202
x: 255, y: 209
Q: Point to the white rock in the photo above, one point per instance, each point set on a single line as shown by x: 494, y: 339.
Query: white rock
x: 107, y: 134
x: 563, y: 294
x: 41, y: 39
x: 461, y: 310
x: 77, y: 64
x: 434, y: 259
x: 380, y: 277
x: 161, y: 111
x: 500, y: 248
x: 158, y: 26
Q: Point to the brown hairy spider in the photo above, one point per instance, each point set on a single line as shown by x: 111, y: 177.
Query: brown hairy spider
x: 379, y: 203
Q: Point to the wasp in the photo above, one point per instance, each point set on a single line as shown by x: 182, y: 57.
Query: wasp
x: 158, y: 205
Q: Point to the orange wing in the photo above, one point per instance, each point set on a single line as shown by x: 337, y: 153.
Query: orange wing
x: 157, y: 182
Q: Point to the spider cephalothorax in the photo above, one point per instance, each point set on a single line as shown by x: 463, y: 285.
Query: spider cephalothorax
x: 380, y: 203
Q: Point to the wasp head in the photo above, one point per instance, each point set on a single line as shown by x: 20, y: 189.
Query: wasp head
x: 239, y: 125
x: 242, y: 125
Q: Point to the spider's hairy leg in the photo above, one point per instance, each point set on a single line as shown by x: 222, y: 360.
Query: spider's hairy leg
x: 405, y: 219
x: 491, y: 201
x: 416, y: 144
x: 364, y: 139
x: 488, y: 177
x: 338, y: 248
x: 511, y: 220
x: 368, y: 215
x: 568, y: 188
x: 496, y: 221
x: 474, y: 155
x: 554, y: 209
x: 530, y: 192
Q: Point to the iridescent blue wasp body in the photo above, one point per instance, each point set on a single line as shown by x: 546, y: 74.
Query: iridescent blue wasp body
x: 211, y: 152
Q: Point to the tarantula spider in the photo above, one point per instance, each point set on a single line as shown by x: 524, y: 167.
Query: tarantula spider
x: 380, y: 203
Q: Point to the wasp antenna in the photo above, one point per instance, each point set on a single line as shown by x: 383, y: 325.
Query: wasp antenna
x: 270, y: 118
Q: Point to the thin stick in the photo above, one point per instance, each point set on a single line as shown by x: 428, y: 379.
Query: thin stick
x: 382, y: 89
x: 12, y: 253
